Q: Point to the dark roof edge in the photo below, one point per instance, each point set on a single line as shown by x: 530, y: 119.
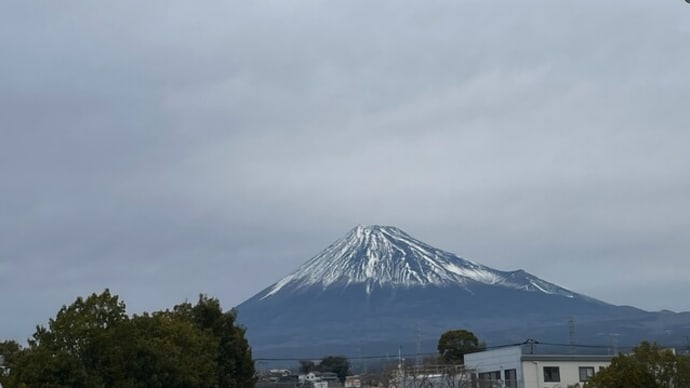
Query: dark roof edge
x: 566, y: 357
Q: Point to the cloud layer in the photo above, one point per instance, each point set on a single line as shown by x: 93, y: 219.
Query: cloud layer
x: 167, y: 149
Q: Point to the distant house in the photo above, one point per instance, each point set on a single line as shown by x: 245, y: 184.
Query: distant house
x: 327, y: 376
x: 511, y: 368
x: 320, y: 380
x: 311, y: 376
x: 276, y: 378
x: 353, y: 382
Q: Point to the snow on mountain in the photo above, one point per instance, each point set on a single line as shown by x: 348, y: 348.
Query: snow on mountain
x: 379, y: 256
x: 377, y: 286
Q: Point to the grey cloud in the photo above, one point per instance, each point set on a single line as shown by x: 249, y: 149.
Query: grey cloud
x: 166, y: 149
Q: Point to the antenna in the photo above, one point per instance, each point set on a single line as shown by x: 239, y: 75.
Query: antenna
x: 401, y: 366
x: 613, y: 342
x: 419, y: 347
x: 571, y: 333
x: 531, y: 342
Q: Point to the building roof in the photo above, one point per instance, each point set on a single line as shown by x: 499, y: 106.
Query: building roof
x: 566, y: 357
x: 514, y: 352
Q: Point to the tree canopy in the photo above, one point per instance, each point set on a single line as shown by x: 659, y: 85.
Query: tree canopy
x: 336, y: 364
x: 94, y: 343
x: 454, y: 344
x: 648, y: 366
x: 306, y: 366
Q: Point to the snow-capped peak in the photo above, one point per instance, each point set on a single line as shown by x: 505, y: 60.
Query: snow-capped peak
x: 386, y: 256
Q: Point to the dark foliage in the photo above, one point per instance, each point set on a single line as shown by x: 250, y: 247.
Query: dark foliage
x: 306, y: 366
x: 93, y: 343
x: 335, y: 364
x: 454, y: 344
x: 648, y: 366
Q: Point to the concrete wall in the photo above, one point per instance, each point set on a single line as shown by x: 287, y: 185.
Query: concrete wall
x: 533, y: 372
x: 530, y: 368
x: 497, y: 360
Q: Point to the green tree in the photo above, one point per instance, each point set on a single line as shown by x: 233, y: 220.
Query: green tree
x: 648, y: 366
x: 235, y: 367
x: 454, y: 344
x: 336, y: 364
x: 93, y: 343
x: 81, y: 347
x: 170, y: 352
x: 10, y: 351
x: 306, y: 366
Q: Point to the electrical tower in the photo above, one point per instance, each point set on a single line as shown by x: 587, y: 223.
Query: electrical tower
x: 571, y: 334
x: 419, y: 347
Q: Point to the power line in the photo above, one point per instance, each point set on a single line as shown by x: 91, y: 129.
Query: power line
x: 373, y: 357
x: 531, y: 342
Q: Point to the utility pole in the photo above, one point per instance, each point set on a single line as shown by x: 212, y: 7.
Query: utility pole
x: 419, y: 348
x: 571, y: 333
x: 613, y: 340
x: 615, y: 344
x: 401, y: 366
x: 531, y: 342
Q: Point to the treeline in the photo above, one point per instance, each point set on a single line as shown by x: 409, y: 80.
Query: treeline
x: 335, y: 364
x: 648, y: 366
x: 94, y: 343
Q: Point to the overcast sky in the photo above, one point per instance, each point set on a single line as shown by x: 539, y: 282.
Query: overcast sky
x: 165, y: 148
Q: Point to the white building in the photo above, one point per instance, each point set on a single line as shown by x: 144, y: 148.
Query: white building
x: 353, y: 382
x: 320, y: 379
x: 511, y: 368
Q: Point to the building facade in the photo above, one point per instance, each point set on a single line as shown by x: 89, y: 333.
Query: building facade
x: 512, y: 368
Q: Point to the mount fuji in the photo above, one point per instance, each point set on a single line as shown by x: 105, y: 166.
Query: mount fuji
x: 378, y: 289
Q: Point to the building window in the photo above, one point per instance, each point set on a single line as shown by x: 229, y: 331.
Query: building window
x: 586, y: 373
x: 552, y: 374
x: 510, y: 378
x: 489, y: 379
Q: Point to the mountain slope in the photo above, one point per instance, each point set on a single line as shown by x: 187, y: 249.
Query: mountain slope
x: 387, y: 256
x: 378, y: 288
